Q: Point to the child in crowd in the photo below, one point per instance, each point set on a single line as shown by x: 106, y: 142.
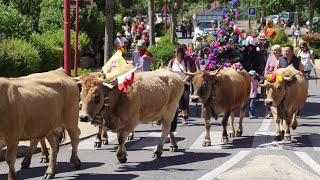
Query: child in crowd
x: 253, y: 93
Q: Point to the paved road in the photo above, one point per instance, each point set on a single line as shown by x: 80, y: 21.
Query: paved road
x: 255, y: 155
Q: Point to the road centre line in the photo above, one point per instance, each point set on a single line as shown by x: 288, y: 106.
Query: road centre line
x: 225, y: 166
x: 310, y: 162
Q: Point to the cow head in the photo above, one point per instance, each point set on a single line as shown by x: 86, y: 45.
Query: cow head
x: 277, y: 87
x: 94, y: 95
x: 204, y: 84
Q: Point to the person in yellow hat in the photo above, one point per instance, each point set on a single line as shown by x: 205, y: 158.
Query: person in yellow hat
x: 120, y: 41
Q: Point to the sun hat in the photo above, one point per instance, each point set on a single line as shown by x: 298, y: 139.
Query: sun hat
x: 118, y: 34
x: 252, y: 73
x: 141, y: 42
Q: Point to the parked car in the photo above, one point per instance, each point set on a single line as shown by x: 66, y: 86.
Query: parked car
x: 314, y: 19
x: 289, y: 18
x: 159, y: 18
x: 275, y: 18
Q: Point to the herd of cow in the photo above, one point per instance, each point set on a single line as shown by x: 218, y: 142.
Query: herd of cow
x: 45, y: 105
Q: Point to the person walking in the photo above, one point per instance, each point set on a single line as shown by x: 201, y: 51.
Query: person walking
x: 297, y: 34
x: 180, y: 65
x: 128, y: 36
x: 142, y: 57
x: 253, y: 93
x: 190, y: 27
x: 307, y: 59
x: 120, y: 41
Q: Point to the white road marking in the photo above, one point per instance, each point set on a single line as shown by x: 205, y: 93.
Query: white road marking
x: 265, y: 140
x: 310, y: 162
x: 225, y: 166
x: 265, y: 125
x: 89, y: 143
x: 152, y: 139
x: 215, y: 137
x: 315, y: 140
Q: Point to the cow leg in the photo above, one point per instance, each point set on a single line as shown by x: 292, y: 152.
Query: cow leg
x: 173, y: 142
x: 294, y: 122
x: 130, y: 137
x: 44, y: 151
x: 165, y: 131
x: 74, y: 137
x: 25, y: 164
x: 51, y: 170
x: 12, y: 146
x: 232, y: 131
x: 277, y: 121
x: 97, y: 142
x: 242, y: 114
x: 2, y: 143
x: 207, y: 141
x: 224, y: 124
x: 286, y: 126
x: 121, y: 151
x: 104, y: 134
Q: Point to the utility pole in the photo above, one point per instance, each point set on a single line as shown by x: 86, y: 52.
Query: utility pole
x: 151, y: 21
x: 202, y: 6
x: 67, y: 46
x: 249, y: 18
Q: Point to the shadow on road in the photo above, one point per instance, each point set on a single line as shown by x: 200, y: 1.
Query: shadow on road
x: 102, y: 176
x: 164, y: 162
x: 38, y: 172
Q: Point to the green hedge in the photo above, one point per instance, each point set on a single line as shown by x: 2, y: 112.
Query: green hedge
x: 159, y: 29
x: 18, y: 58
x: 280, y: 38
x: 163, y: 51
x: 13, y: 24
x: 51, y: 54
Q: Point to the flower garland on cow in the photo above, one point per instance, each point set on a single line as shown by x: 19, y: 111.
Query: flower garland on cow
x: 220, y: 45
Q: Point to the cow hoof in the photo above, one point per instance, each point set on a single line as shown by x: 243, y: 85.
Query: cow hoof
x: 238, y: 133
x: 105, y: 142
x: 76, y: 163
x: 48, y: 176
x: 97, y: 145
x: 294, y: 126
x: 44, y: 160
x: 157, y: 154
x: 25, y: 165
x: 224, y: 140
x: 287, y: 138
x: 232, y: 134
x: 278, y: 138
x: 206, y: 143
x: 122, y: 160
x: 173, y: 148
x: 130, y: 138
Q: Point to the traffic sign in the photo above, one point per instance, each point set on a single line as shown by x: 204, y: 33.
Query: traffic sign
x: 252, y: 12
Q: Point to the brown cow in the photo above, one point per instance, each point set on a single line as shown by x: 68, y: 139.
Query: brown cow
x: 221, y: 93
x: 286, y: 98
x: 153, y: 96
x: 33, y: 107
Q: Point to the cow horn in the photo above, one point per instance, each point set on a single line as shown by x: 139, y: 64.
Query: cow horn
x: 261, y: 77
x: 188, y: 73
x: 215, y: 72
x: 290, y: 77
x: 77, y: 80
x: 110, y: 86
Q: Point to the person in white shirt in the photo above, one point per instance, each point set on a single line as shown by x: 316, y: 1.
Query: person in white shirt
x: 252, y: 39
x: 180, y: 65
x: 120, y: 41
x: 307, y: 59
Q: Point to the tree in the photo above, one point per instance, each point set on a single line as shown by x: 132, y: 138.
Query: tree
x: 151, y: 21
x: 109, y: 10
